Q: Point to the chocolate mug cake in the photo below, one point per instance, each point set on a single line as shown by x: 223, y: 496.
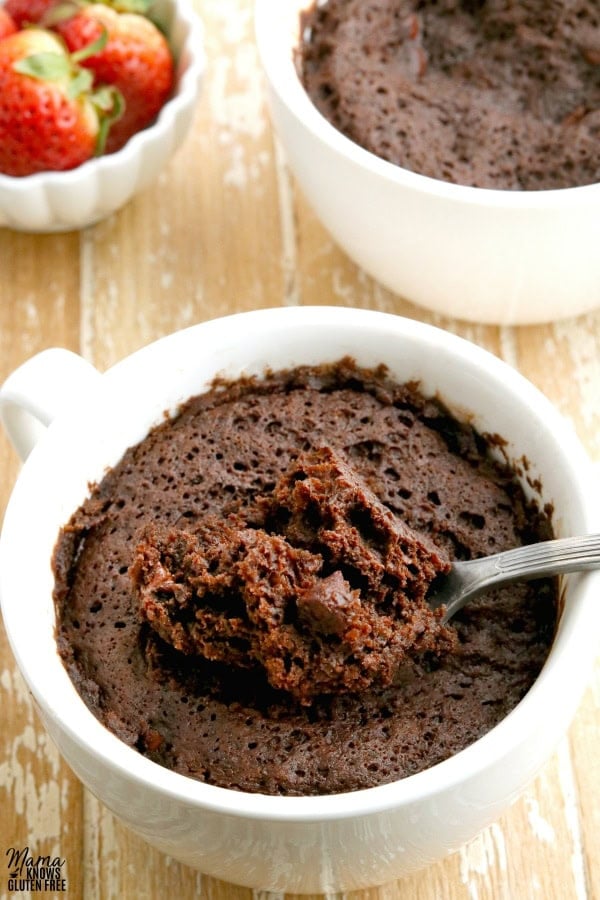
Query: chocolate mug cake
x: 243, y: 597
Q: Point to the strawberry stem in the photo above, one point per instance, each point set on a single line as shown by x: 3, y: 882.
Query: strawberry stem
x: 110, y: 104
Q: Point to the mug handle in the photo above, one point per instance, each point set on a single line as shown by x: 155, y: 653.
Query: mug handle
x: 37, y: 391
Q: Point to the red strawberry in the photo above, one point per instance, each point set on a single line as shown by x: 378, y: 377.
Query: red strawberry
x: 49, y: 119
x: 28, y: 12
x: 136, y: 59
x: 34, y: 12
x: 7, y: 23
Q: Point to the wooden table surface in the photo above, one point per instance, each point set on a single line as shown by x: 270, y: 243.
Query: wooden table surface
x: 224, y: 230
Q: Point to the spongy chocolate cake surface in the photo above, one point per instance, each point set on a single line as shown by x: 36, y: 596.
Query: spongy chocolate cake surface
x: 476, y: 92
x: 170, y: 537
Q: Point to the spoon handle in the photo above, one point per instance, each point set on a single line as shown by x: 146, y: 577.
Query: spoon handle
x: 574, y: 554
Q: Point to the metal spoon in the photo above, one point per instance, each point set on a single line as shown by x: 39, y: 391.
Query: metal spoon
x: 468, y: 578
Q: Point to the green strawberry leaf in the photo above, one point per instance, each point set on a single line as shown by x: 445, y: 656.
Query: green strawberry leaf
x: 46, y: 66
x: 59, y: 13
x: 141, y: 7
x: 89, y: 50
x: 80, y: 83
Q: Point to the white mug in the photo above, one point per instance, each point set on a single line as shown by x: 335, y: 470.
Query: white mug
x: 71, y: 423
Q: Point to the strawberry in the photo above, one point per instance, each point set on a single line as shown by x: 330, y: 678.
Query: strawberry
x: 136, y: 59
x: 28, y: 12
x: 33, y: 12
x: 49, y: 117
x: 7, y: 23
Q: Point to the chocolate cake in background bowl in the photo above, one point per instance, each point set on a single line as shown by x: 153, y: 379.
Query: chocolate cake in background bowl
x: 484, y: 94
x: 335, y: 457
x: 449, y: 148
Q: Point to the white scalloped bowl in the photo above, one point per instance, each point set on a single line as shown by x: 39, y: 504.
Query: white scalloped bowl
x: 64, y: 201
